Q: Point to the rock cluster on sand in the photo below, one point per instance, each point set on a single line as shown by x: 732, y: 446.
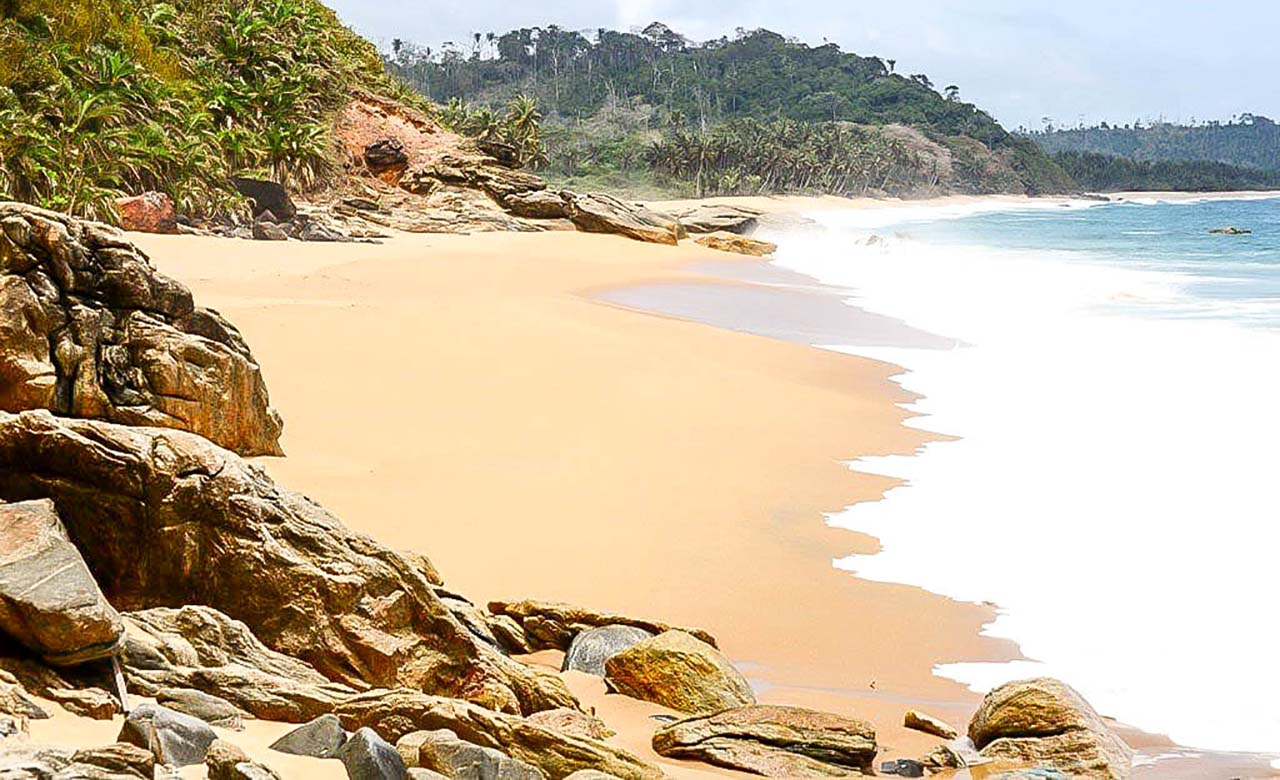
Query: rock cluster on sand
x: 678, y: 671
x: 774, y: 742
x: 90, y: 329
x: 112, y: 762
x: 1044, y: 721
x: 552, y: 626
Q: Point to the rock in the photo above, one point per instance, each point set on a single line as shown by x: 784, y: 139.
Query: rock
x: 76, y: 689
x: 552, y: 626
x: 471, y: 170
x: 919, y: 721
x: 590, y: 774
x: 903, y: 767
x: 113, y: 762
x: 150, y: 212
x: 15, y: 702
x: 774, y: 742
x: 267, y: 196
x: 210, y: 709
x: 509, y: 634
x: 264, y: 230
x: 600, y: 213
x: 175, y: 519
x: 731, y: 242
x: 385, y: 155
x: 397, y: 713
x: 319, y: 232
x: 575, y: 723
x: 117, y: 760
x: 1231, y: 231
x: 537, y: 205
x: 680, y: 672
x: 367, y: 756
x: 1044, y: 721
x: 1035, y: 773
x: 591, y: 648
x: 713, y: 218
x: 92, y: 330
x: 174, y: 739
x: 228, y: 762
x: 321, y: 738
x: 506, y: 154
x: 442, y: 751
x: 49, y: 601
x: 202, y: 649
x: 944, y: 757
x: 13, y: 727
x: 417, y: 773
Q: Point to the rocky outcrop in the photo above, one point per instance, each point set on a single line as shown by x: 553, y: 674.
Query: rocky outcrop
x: 174, y: 519
x: 113, y: 762
x: 550, y: 625
x: 49, y: 601
x: 713, y: 218
x: 174, y: 739
x: 150, y: 212
x: 211, y: 709
x: 680, y: 672
x: 385, y: 155
x: 774, y: 742
x: 92, y: 330
x: 471, y: 170
x: 575, y: 723
x: 741, y: 245
x: 367, y: 756
x: 591, y: 648
x: 919, y: 721
x: 441, y: 751
x: 81, y: 690
x: 393, y: 714
x: 539, y: 204
x: 600, y: 213
x: 1044, y: 721
x: 199, y: 648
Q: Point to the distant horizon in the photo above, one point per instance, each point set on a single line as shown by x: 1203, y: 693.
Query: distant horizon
x: 1019, y: 65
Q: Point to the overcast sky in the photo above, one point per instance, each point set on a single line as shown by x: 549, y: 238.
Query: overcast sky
x: 1115, y: 60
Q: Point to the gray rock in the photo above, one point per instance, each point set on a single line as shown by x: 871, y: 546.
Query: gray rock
x: 591, y: 648
x: 711, y: 218
x: 368, y: 757
x: 228, y: 762
x: 210, y: 709
x: 316, y: 231
x: 49, y: 601
x: 174, y: 739
x: 443, y: 752
x: 269, y: 231
x: 323, y: 737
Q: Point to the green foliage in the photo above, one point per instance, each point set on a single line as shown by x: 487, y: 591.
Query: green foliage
x: 1251, y: 142
x: 104, y: 97
x: 519, y: 125
x: 1106, y: 173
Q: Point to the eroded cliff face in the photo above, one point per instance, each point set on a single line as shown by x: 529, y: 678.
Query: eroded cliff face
x: 90, y: 329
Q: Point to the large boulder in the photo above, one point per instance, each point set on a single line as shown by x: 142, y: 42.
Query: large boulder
x: 471, y: 169
x: 741, y: 245
x: 1044, y: 721
x: 266, y: 197
x: 394, y: 714
x: 713, y: 218
x: 150, y: 212
x: 678, y: 671
x: 600, y: 213
x: 591, y: 648
x: 321, y: 738
x: 92, y: 330
x: 174, y: 739
x: 774, y: 742
x: 441, y: 751
x: 201, y: 649
x: 539, y: 204
x: 168, y: 518
x: 211, y: 709
x: 549, y: 625
x: 367, y: 756
x: 49, y: 601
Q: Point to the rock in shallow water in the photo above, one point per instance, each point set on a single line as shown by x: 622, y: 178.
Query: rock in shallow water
x: 49, y: 601
x: 680, y: 672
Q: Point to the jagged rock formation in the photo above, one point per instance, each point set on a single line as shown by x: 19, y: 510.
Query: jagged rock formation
x: 774, y: 742
x: 175, y: 520
x: 550, y: 625
x: 1045, y: 721
x: 678, y: 671
x: 48, y: 599
x: 600, y: 213
x: 90, y: 329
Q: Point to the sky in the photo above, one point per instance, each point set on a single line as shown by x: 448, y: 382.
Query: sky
x: 1022, y: 60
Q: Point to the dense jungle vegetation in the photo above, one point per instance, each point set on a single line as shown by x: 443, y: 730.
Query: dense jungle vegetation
x: 1248, y: 141
x: 1108, y: 173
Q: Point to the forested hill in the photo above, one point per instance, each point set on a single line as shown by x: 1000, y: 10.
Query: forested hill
x: 1251, y: 141
x: 609, y: 97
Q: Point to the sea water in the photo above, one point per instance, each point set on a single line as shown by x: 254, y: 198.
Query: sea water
x: 1115, y: 489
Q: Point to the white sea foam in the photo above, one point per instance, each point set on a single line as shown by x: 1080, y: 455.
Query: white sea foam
x: 1115, y: 490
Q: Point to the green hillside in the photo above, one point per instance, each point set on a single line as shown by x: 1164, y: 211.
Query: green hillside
x: 657, y: 107
x: 1249, y: 142
x: 104, y: 97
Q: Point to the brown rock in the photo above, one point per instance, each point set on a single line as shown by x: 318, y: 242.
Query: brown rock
x: 441, y: 751
x: 678, y: 671
x: 774, y: 742
x: 552, y: 626
x: 575, y: 723
x: 928, y: 724
x: 540, y: 204
x: 15, y: 702
x: 79, y: 690
x: 731, y: 242
x: 228, y: 762
x: 49, y: 601
x: 385, y: 155
x: 174, y: 519
x: 712, y: 218
x: 92, y: 330
x: 1045, y: 721
x: 600, y: 213
x: 113, y: 762
x: 394, y: 714
x: 150, y: 212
